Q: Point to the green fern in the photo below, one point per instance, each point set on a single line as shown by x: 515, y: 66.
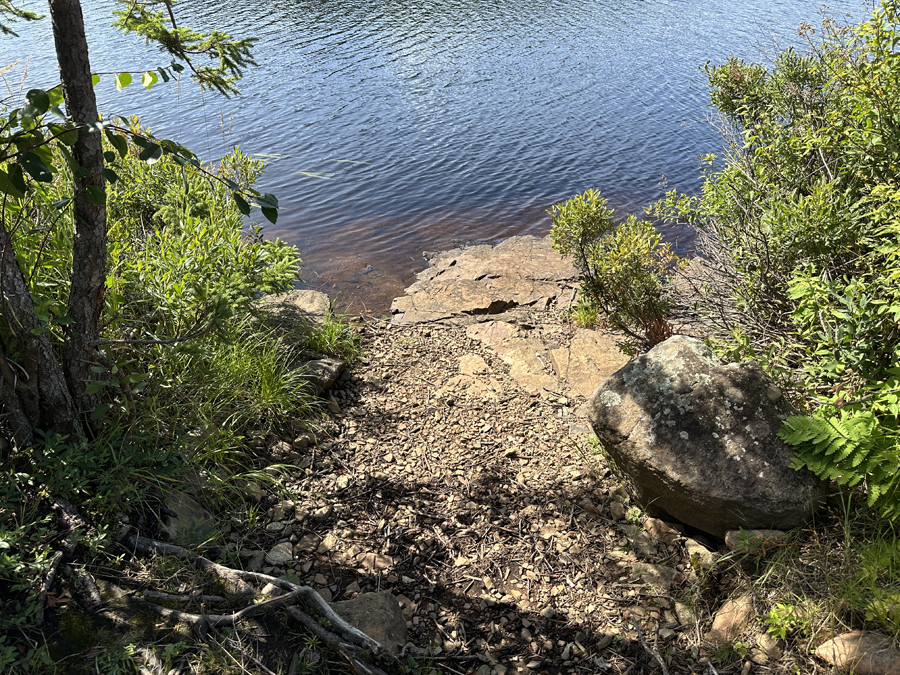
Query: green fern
x: 852, y: 450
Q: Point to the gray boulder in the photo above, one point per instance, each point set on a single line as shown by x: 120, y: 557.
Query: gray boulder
x: 698, y: 440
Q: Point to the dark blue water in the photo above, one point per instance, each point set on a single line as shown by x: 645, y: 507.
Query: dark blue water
x: 393, y: 127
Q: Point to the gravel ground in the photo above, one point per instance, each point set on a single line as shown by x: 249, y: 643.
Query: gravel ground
x: 509, y: 544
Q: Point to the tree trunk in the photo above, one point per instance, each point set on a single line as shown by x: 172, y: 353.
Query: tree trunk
x: 33, y: 388
x: 89, y: 252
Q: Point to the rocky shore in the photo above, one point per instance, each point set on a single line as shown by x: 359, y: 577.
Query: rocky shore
x: 458, y: 473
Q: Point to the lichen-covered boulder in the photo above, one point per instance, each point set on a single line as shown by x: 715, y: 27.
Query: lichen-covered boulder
x: 698, y: 440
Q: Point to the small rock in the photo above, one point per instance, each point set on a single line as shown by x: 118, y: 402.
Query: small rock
x: 685, y: 615
x: 328, y: 543
x: 378, y: 615
x: 308, y: 543
x: 657, y: 575
x: 667, y: 634
x: 548, y: 612
x: 281, y: 450
x: 754, y: 541
x: 472, y: 364
x: 342, y: 482
x: 322, y: 373
x: 701, y: 558
x: 660, y: 531
x: 372, y: 562
x: 275, y: 527
x: 861, y: 652
x: 483, y: 669
x: 282, y: 553
x: 772, y: 646
x: 617, y: 510
x: 731, y: 619
x: 323, y: 513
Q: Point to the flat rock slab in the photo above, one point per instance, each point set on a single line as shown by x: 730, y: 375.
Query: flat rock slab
x: 378, y: 615
x: 541, y: 363
x: 477, y: 280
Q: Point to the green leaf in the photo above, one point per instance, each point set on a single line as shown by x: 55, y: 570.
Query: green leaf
x: 109, y: 157
x: 151, y: 153
x: 110, y: 175
x: 38, y: 103
x: 242, y: 204
x: 95, y: 79
x: 100, y: 411
x: 9, y: 186
x: 117, y: 141
x: 61, y: 203
x: 36, y: 168
x: 162, y: 72
x: 149, y: 78
x: 270, y: 214
x: 64, y: 133
x: 268, y: 200
x: 122, y: 80
x: 94, y: 387
x: 56, y: 96
x: 177, y: 67
x: 96, y: 194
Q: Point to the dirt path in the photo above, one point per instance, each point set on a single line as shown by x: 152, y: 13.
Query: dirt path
x: 480, y: 506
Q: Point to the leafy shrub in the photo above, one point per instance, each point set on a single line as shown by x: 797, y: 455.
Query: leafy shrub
x: 800, y: 242
x: 624, y: 268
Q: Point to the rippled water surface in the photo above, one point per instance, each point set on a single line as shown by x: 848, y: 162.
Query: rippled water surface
x: 397, y: 127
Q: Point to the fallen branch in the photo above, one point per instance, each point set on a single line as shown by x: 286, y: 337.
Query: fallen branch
x: 650, y: 650
x: 45, y: 588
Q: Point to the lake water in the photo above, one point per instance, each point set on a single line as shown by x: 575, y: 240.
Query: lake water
x: 394, y: 127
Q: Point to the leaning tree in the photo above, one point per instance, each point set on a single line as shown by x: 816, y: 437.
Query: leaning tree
x: 46, y: 383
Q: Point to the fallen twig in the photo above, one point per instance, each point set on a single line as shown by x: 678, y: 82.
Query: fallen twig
x: 650, y: 650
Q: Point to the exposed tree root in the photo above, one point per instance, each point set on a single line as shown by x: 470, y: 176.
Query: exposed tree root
x: 363, y: 655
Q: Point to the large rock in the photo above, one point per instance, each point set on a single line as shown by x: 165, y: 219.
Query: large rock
x: 698, y: 440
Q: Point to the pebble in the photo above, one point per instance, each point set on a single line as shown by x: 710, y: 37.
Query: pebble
x: 280, y: 554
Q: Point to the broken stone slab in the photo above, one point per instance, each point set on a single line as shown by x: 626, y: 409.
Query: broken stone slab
x: 322, y: 373
x: 862, y: 653
x: 486, y: 279
x: 191, y: 524
x: 731, y: 619
x: 698, y: 440
x: 378, y: 615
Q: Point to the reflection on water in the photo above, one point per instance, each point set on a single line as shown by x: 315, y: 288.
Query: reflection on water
x: 394, y: 126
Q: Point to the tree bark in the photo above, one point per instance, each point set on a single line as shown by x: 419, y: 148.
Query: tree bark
x: 89, y: 251
x: 33, y: 388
